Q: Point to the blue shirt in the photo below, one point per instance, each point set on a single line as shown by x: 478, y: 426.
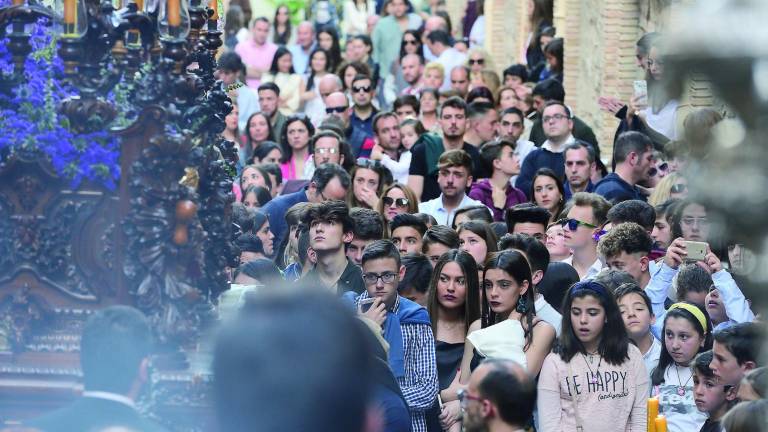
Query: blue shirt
x: 360, y: 130
x: 614, y: 189
x: 539, y: 158
x: 276, y: 209
x: 300, y: 58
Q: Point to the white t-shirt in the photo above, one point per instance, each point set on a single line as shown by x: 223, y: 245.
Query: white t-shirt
x: 663, y: 121
x: 547, y: 313
x: 680, y: 410
x: 651, y: 358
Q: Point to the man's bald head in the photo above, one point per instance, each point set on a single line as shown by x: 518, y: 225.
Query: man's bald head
x: 305, y: 34
x: 412, y: 68
x: 329, y: 83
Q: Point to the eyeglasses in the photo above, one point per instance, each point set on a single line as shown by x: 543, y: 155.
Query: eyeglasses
x: 326, y: 150
x: 691, y: 221
x: 373, y: 278
x: 547, y: 119
x: 478, y: 61
x: 367, y: 163
x: 573, y: 224
x: 365, y: 89
x: 679, y: 188
x: 410, y: 42
x: 331, y: 110
x: 464, y: 397
x: 399, y: 202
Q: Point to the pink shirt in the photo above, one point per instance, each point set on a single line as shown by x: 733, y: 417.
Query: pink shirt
x: 256, y: 56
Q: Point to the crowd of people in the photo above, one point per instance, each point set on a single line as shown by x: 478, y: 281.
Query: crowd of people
x: 493, y: 270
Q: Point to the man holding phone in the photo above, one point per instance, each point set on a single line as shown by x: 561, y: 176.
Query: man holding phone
x: 406, y: 328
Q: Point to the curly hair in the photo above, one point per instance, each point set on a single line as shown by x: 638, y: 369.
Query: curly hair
x: 626, y: 237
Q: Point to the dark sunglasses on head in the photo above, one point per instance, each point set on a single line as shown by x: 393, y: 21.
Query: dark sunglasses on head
x: 400, y: 202
x: 365, y: 89
x: 679, y: 188
x: 331, y: 110
x: 478, y: 61
x: 573, y: 224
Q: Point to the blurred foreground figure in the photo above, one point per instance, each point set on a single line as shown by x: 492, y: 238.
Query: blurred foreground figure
x: 292, y: 362
x: 114, y: 356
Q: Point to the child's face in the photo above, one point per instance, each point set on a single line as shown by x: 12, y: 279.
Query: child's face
x: 681, y: 340
x: 715, y: 307
x: 708, y: 394
x: 725, y: 366
x: 637, y: 318
x: 409, y: 136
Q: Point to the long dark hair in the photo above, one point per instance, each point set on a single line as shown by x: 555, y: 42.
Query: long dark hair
x: 281, y: 51
x: 516, y: 265
x: 284, y: 37
x: 417, y: 35
x: 547, y: 172
x: 249, y: 141
x: 311, y: 79
x: 614, y: 341
x: 287, y: 150
x: 471, y: 303
x: 334, y: 57
x: 657, y: 376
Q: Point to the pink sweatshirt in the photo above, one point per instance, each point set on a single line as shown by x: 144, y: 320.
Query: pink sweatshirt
x: 613, y: 399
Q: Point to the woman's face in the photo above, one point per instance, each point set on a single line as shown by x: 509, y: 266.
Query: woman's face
x: 433, y: 78
x: 556, y: 241
x: 319, y: 62
x: 282, y: 15
x: 272, y: 157
x: 474, y: 245
x: 365, y: 179
x: 298, y: 135
x: 655, y: 64
x: 252, y: 177
x: 349, y: 75
x: 681, y: 340
x: 231, y: 119
x: 544, y: 41
x: 428, y: 103
x: 451, y: 286
x: 502, y: 291
x: 324, y: 41
x: 284, y: 63
x: 552, y: 61
x: 476, y: 62
x: 266, y: 237
x: 258, y: 129
x: 411, y: 44
x: 390, y: 211
x: 545, y: 192
x: 508, y: 99
x: 250, y: 200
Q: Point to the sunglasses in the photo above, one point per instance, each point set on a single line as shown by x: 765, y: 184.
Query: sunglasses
x: 400, y: 202
x: 410, y: 42
x: 679, y: 188
x: 478, y: 61
x: 573, y: 224
x: 367, y: 163
x: 331, y: 110
x: 365, y: 89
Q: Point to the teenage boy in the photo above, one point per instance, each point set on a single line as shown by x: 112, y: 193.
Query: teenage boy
x: 626, y: 247
x: 406, y: 328
x: 496, y: 192
x: 528, y: 219
x: 454, y: 178
x: 368, y: 227
x: 407, y: 233
x: 736, y: 350
x: 637, y: 313
x: 330, y: 228
x: 587, y: 213
x: 712, y: 396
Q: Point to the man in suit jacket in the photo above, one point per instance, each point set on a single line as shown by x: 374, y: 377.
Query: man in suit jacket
x: 114, y: 356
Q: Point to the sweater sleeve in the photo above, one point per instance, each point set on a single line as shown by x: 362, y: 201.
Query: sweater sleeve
x: 548, y: 398
x: 736, y: 305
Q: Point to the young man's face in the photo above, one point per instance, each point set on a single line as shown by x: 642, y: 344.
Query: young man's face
x: 362, y: 92
x: 453, y: 121
x: 383, y: 267
x: 485, y: 126
x: 637, y: 317
x: 508, y: 162
x: 453, y: 181
x: 556, y: 123
x: 355, y: 250
x: 388, y: 131
x: 511, y: 126
x: 583, y: 235
x: 535, y: 230
x: 709, y: 394
x: 260, y: 32
x: 407, y: 239
x: 725, y: 366
x: 636, y: 264
x: 327, y: 236
x: 268, y: 102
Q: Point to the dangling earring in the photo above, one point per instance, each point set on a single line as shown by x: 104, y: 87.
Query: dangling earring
x: 522, y: 305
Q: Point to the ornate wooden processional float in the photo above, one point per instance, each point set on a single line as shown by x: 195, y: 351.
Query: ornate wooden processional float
x: 142, y: 77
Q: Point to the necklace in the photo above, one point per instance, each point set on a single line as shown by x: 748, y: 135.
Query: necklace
x: 592, y: 356
x: 681, y: 385
x: 593, y: 378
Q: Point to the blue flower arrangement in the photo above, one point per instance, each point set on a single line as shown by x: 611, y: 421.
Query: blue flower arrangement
x: 29, y: 118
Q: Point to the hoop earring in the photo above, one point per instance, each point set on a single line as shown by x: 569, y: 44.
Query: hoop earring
x: 522, y: 305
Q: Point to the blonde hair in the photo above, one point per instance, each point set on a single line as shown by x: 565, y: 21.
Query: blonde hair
x: 491, y: 80
x: 435, y: 66
x: 487, y: 64
x: 662, y: 190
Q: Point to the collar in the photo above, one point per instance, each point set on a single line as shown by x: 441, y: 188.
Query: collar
x: 548, y: 145
x: 114, y: 397
x: 440, y: 206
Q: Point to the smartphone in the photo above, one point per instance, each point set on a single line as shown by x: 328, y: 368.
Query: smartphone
x: 365, y: 304
x: 641, y: 92
x: 696, y: 250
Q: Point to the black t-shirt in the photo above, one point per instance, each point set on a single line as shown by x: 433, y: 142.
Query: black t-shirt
x: 419, y: 167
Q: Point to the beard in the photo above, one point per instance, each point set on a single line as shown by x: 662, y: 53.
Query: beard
x: 473, y: 423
